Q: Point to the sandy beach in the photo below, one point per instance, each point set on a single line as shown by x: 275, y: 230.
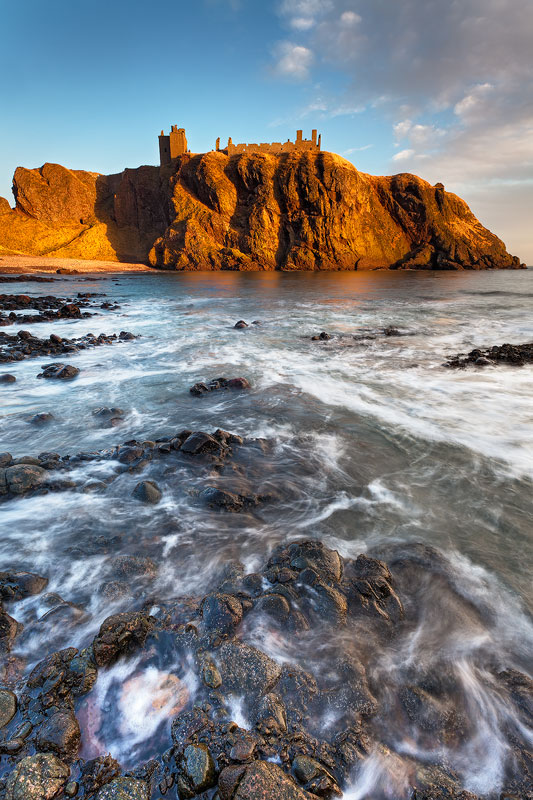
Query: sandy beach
x: 29, y: 264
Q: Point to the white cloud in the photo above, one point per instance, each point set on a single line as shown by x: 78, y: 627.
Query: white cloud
x: 403, y: 155
x: 302, y: 23
x: 293, y: 60
x: 455, y: 76
x: 349, y: 18
x: 356, y: 149
x: 474, y: 103
x: 302, y: 15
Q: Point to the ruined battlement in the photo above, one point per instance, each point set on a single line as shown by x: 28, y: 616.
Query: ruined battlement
x: 175, y: 145
x: 300, y: 145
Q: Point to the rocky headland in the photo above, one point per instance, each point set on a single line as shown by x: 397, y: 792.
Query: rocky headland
x: 294, y: 211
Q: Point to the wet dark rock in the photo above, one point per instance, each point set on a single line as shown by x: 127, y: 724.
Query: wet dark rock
x: 219, y: 384
x: 8, y: 707
x: 62, y: 676
x: 270, y: 715
x: 324, y: 601
x: 274, y: 606
x: 309, y: 554
x: 243, y: 749
x: 261, y: 780
x: 147, y: 492
x: 516, y: 355
x: 9, y: 628
x: 98, y: 772
x: 221, y: 613
x: 127, y: 455
x: 119, y: 634
x: 42, y: 419
x: 59, y: 371
x: 38, y: 777
x: 369, y: 587
x: 227, y: 438
x: 391, y: 331
x: 199, y: 443
x: 23, y: 478
x: 315, y: 777
x: 241, y: 324
x: 7, y: 378
x: 6, y: 459
x: 226, y: 501
x: 60, y: 734
x: 187, y: 725
x: 124, y: 789
x: 321, y: 337
x: 126, y: 336
x: 18, y: 585
x: 196, y: 771
x: 520, y: 687
x: 34, y: 462
x: 23, y: 345
x: 210, y: 674
x: 125, y: 567
x: 245, y: 669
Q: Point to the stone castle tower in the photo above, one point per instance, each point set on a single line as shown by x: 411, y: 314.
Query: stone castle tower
x: 173, y: 145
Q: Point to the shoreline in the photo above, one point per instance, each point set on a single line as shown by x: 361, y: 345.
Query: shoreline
x: 33, y: 264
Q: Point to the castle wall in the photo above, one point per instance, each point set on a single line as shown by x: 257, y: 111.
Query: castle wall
x: 300, y: 145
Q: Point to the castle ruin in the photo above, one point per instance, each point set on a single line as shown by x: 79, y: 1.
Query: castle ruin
x: 175, y: 145
x: 301, y: 145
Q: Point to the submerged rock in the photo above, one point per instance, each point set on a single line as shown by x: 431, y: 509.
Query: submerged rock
x: 59, y: 371
x: 147, y: 492
x: 517, y: 355
x: 39, y: 777
x: 8, y: 707
x: 124, y: 789
x: 219, y: 383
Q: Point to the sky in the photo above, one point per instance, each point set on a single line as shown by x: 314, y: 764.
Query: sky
x: 442, y: 88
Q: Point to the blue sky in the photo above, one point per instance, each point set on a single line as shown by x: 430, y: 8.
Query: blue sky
x: 437, y: 87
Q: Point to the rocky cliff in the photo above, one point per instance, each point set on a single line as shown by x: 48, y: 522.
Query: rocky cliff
x: 297, y: 211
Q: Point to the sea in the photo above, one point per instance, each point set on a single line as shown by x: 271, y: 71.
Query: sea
x: 370, y: 443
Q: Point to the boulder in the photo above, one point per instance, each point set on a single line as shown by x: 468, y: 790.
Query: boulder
x: 196, y: 771
x: 260, y: 780
x: 199, y: 443
x: 245, y: 670
x: 221, y: 613
x: 147, y: 492
x: 124, y: 789
x: 60, y: 734
x: 38, y: 777
x: 41, y: 419
x: 8, y: 707
x: 23, y: 478
x: 6, y: 377
x: 121, y: 633
x: 18, y: 585
x: 57, y: 371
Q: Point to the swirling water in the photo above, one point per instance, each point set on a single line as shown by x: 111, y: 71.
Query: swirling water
x: 377, y: 448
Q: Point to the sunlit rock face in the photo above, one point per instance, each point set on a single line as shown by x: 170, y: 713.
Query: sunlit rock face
x: 293, y: 211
